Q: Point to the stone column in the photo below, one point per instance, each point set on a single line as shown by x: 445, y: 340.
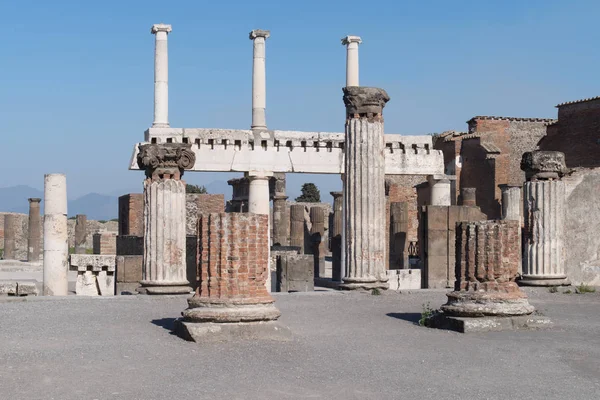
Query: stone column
x: 259, y: 88
x: 399, y: 235
x: 80, y: 233
x: 317, y: 236
x: 336, y: 237
x: 468, y: 196
x: 35, y: 231
x: 239, y: 195
x: 544, y: 207
x: 511, y: 202
x: 439, y: 192
x: 280, y: 215
x: 364, y: 189
x: 56, y: 237
x: 161, y: 76
x: 164, y: 216
x: 10, y: 236
x: 297, y: 226
x: 258, y: 203
x: 351, y: 43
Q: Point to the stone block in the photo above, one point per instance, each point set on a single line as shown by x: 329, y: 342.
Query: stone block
x: 26, y: 289
x: 489, y: 324
x: 437, y: 217
x: 129, y: 268
x: 295, y: 273
x: 8, y: 288
x: 223, y: 332
x: 129, y: 245
x: 436, y: 274
x: 404, y: 279
x: 95, y: 274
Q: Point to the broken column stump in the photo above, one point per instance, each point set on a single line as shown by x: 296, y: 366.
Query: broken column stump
x: 95, y: 274
x: 486, y: 296
x: 295, y: 273
x: 231, y: 301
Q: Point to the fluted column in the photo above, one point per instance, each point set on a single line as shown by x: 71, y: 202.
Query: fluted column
x: 259, y: 86
x: 34, y: 238
x: 544, y: 207
x: 317, y: 236
x: 161, y: 76
x: 336, y: 236
x: 364, y: 189
x: 164, y: 270
x: 297, y: 226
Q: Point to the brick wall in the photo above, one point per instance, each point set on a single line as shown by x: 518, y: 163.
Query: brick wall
x: 233, y: 257
x: 105, y: 243
x: 131, y: 214
x: 577, y: 133
x: 197, y: 204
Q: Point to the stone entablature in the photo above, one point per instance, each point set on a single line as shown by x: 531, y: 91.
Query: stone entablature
x: 229, y: 150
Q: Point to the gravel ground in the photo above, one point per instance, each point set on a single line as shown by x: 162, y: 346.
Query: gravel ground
x: 345, y: 346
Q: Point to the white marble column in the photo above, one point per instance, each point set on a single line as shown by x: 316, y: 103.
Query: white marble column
x: 544, y: 217
x: 259, y: 88
x: 161, y: 76
x: 164, y: 270
x: 56, y: 239
x: 351, y: 43
x: 439, y: 191
x: 364, y: 189
x: 259, y: 203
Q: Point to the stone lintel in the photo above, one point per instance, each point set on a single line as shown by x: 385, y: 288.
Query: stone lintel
x: 161, y: 28
x: 92, y: 262
x: 351, y: 39
x: 251, y: 175
x: 364, y: 100
x: 256, y: 33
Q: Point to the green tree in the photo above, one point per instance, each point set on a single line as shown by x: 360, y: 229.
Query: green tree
x: 195, y: 189
x: 310, y: 194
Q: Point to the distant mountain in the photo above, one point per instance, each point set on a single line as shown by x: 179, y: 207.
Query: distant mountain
x: 14, y: 199
x: 96, y: 206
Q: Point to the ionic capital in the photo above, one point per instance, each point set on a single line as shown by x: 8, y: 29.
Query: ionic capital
x: 351, y: 39
x: 166, y: 160
x: 541, y: 165
x: 256, y: 33
x: 364, y: 100
x: 160, y: 28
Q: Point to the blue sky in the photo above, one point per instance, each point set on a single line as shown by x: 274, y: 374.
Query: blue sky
x: 76, y: 81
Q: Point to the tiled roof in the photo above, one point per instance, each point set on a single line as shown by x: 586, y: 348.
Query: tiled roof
x: 577, y: 101
x: 548, y: 120
x: 491, y: 148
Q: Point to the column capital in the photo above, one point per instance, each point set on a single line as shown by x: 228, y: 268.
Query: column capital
x: 256, y: 33
x: 351, y: 39
x: 336, y: 195
x: 161, y: 28
x: 543, y: 165
x: 165, y: 160
x: 258, y: 175
x: 34, y: 200
x: 363, y: 100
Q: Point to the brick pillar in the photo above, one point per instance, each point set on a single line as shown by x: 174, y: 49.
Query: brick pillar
x: 10, y: 236
x: 487, y: 257
x: 544, y: 207
x: 81, y: 234
x: 164, y: 216
x: 34, y: 240
x: 297, y: 226
x: 399, y: 235
x: 364, y: 189
x: 233, y: 259
x: 336, y: 237
x: 317, y: 236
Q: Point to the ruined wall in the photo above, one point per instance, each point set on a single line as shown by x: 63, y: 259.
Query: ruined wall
x: 523, y: 136
x: 328, y: 211
x: 21, y: 234
x: 201, y: 204
x: 92, y: 227
x: 131, y: 214
x: 582, y: 225
x: 576, y: 133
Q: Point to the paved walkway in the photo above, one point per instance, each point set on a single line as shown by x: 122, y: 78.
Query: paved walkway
x: 346, y: 346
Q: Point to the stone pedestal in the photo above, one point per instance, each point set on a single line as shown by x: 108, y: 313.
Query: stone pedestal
x: 10, y: 236
x: 336, y: 237
x: 297, y: 226
x: 544, y: 208
x: 80, y: 233
x: 231, y: 300
x: 164, y: 217
x: 34, y: 239
x: 317, y: 237
x: 56, y: 238
x: 468, y: 197
x: 95, y: 274
x: 364, y: 189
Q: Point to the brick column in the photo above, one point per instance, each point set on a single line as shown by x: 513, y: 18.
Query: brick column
x: 34, y: 239
x: 364, y: 189
x: 317, y: 236
x: 231, y: 300
x: 336, y: 237
x: 10, y: 236
x: 297, y: 226
x: 81, y: 233
x: 544, y: 207
x: 164, y: 216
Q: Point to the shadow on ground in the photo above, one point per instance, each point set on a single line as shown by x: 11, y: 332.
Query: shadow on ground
x: 410, y: 317
x: 166, y: 323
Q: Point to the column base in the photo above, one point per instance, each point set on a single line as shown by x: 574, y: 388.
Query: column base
x: 158, y: 287
x: 482, y: 304
x: 531, y: 280
x: 161, y: 125
x: 358, y: 284
x: 222, y: 332
x: 488, y: 324
x: 229, y: 312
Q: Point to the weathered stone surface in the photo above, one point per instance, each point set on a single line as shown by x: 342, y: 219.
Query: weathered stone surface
x: 363, y: 100
x: 169, y: 159
x: 34, y: 239
x: 295, y: 273
x: 487, y: 263
x: 540, y: 165
x: 95, y: 274
x: 81, y: 234
x: 489, y: 324
x: 129, y: 268
x: 56, y: 246
x: 11, y: 223
x: 468, y: 196
x: 215, y: 332
x: 404, y: 279
x: 92, y: 262
x: 8, y: 288
x: 26, y: 289
x: 337, y: 227
x: 297, y: 226
x: 318, y: 240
